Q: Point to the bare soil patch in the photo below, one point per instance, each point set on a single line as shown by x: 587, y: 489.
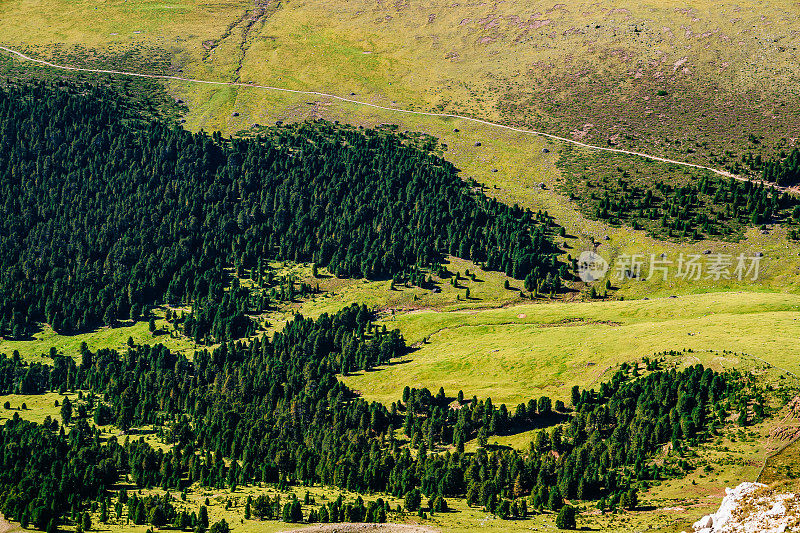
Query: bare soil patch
x: 8, y: 527
x: 360, y: 528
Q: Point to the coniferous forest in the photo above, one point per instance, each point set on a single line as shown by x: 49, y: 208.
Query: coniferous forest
x: 783, y: 171
x: 276, y: 412
x: 673, y: 204
x: 105, y: 212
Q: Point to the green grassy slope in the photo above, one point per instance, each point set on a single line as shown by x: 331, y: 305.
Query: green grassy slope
x: 115, y: 338
x: 655, y: 75
x: 593, y: 70
x: 526, y: 351
x: 145, y: 34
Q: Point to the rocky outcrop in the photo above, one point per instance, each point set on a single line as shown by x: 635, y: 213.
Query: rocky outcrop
x: 752, y: 508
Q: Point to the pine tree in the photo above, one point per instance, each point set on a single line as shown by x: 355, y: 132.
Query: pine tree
x: 554, y: 500
x: 66, y: 411
x: 566, y: 518
x: 412, y: 500
x: 202, y: 517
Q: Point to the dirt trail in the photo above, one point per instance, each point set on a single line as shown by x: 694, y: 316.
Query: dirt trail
x: 358, y: 528
x: 723, y: 173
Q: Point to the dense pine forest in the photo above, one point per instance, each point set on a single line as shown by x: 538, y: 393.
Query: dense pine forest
x: 106, y: 212
x: 273, y: 411
x: 784, y: 171
x: 677, y: 204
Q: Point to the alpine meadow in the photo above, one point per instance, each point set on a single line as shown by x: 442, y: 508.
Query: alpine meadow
x: 413, y: 266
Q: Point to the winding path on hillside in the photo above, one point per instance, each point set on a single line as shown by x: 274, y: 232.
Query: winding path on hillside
x: 385, y: 108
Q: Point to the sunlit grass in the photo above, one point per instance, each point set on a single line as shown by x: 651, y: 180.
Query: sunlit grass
x: 514, y: 354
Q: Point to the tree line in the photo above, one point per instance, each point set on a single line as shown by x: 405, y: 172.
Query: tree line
x: 272, y: 411
x: 712, y: 207
x: 784, y: 170
x: 105, y: 212
x: 674, y: 203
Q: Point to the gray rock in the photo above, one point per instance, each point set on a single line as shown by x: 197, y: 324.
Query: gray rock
x: 704, y: 523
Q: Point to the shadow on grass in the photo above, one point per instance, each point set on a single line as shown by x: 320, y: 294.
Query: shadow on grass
x: 498, y: 447
x: 381, y: 368
x: 536, y: 422
x: 27, y: 336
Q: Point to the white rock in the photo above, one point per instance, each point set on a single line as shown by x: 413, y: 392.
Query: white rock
x: 704, y: 523
x: 715, y: 523
x: 777, y: 510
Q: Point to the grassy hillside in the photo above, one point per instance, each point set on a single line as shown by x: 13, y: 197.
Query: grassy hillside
x: 692, y: 82
x: 637, y: 74
x: 527, y: 351
x: 115, y: 338
x: 148, y: 35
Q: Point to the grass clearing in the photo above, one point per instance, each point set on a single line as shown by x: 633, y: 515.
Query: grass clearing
x: 487, y: 290
x: 461, y: 518
x: 39, y: 406
x: 116, y: 338
x: 227, y: 505
x: 525, y: 351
